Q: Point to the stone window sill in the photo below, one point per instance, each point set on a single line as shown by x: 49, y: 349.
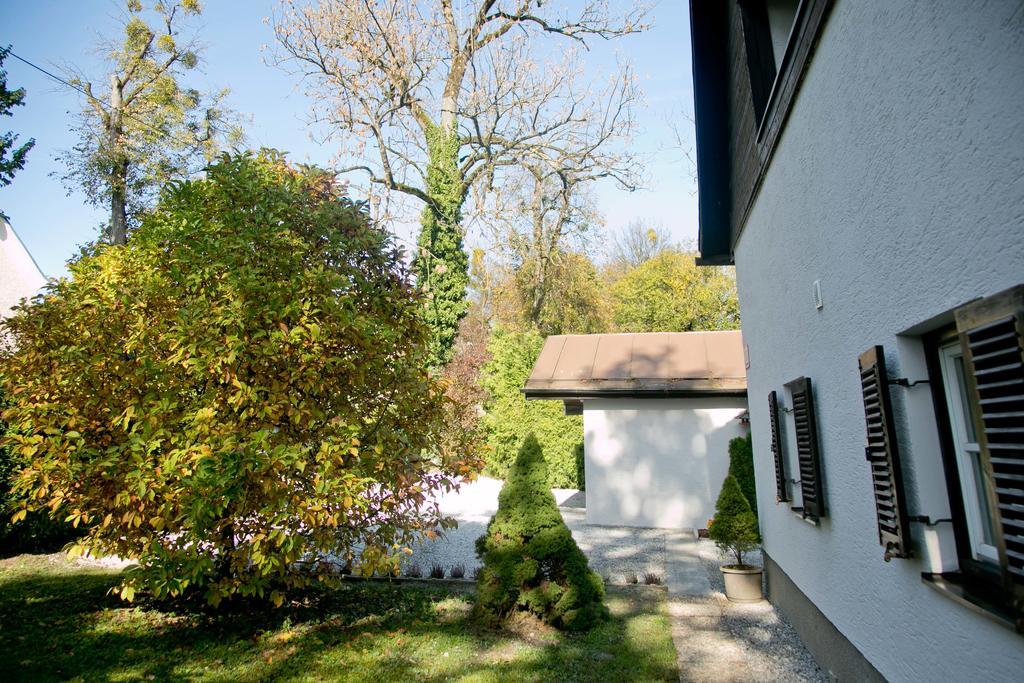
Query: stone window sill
x: 957, y: 587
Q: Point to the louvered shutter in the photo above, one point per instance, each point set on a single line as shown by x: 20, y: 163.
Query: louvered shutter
x: 991, y: 333
x: 883, y: 455
x: 807, y: 448
x: 781, y: 495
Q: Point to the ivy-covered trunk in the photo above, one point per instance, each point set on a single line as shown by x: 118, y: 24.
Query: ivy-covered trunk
x: 441, y: 264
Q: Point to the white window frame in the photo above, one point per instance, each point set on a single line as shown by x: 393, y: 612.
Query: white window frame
x: 965, y: 452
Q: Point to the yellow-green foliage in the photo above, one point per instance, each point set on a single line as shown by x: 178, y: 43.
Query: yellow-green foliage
x: 670, y: 293
x: 509, y: 417
x: 239, y: 388
x: 530, y: 560
x: 734, y: 528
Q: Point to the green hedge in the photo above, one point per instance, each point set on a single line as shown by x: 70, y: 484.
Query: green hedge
x: 509, y: 417
x: 741, y: 466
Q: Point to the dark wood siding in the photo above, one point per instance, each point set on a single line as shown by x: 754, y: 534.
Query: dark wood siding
x: 727, y: 124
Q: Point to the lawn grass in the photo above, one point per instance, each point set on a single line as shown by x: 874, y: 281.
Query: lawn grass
x: 58, y: 623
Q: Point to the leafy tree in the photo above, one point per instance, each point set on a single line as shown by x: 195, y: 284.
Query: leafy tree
x: 12, y: 159
x: 575, y: 303
x: 509, y: 418
x: 530, y: 560
x: 436, y: 98
x: 670, y: 293
x: 237, y: 393
x: 734, y: 528
x: 147, y: 128
x: 462, y: 374
x: 741, y: 466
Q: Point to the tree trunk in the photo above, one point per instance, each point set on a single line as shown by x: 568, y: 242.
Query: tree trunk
x: 118, y: 230
x: 442, y: 265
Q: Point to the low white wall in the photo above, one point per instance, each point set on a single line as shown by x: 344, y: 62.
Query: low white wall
x: 657, y: 462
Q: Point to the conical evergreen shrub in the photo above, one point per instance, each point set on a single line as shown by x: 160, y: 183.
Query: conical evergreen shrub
x: 741, y: 466
x: 734, y: 528
x: 530, y: 560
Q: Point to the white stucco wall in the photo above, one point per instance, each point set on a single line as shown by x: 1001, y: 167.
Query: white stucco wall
x: 19, y: 275
x: 657, y: 462
x: 899, y: 184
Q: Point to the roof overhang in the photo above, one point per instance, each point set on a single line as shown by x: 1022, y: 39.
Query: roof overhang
x: 709, y: 41
x: 574, y: 391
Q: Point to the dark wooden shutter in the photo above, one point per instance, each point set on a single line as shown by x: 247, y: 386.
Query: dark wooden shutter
x: 991, y: 332
x: 807, y: 448
x: 781, y: 495
x: 883, y: 454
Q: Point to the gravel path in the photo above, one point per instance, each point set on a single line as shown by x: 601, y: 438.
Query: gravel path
x: 771, y: 649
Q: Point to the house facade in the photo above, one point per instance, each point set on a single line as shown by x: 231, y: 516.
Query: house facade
x: 20, y: 277
x: 862, y: 165
x: 659, y: 410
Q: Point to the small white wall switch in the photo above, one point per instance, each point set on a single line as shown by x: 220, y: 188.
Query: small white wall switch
x: 818, y: 303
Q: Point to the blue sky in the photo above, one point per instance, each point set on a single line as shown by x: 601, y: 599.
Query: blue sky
x: 52, y: 33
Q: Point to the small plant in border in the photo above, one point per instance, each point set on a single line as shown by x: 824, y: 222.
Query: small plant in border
x: 436, y: 571
x: 458, y: 571
x: 652, y: 579
x: 413, y: 571
x: 630, y: 577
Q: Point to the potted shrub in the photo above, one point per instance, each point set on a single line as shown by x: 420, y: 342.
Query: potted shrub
x: 734, y: 531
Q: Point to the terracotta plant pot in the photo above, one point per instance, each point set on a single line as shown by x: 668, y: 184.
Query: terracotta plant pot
x: 742, y: 583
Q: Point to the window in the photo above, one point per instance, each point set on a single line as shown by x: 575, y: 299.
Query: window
x: 767, y: 30
x: 967, y: 454
x: 781, y: 15
x: 977, y: 376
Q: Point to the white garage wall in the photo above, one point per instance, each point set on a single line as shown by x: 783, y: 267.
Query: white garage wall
x: 657, y: 462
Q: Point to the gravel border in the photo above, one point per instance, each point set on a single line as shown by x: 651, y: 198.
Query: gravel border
x: 774, y: 651
x: 616, y: 553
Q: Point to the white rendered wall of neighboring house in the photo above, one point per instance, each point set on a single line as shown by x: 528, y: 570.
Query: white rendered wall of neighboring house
x: 898, y: 182
x: 19, y: 275
x: 657, y: 462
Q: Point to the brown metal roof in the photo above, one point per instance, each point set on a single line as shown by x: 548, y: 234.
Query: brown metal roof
x: 649, y: 364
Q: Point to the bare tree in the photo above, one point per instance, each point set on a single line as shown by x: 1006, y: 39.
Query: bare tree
x: 547, y: 208
x: 435, y: 97
x: 638, y: 242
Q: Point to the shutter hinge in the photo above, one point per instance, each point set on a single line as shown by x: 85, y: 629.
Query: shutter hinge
x: 928, y: 521
x: 906, y: 383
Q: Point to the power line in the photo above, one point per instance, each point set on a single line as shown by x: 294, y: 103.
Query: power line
x: 99, y: 102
